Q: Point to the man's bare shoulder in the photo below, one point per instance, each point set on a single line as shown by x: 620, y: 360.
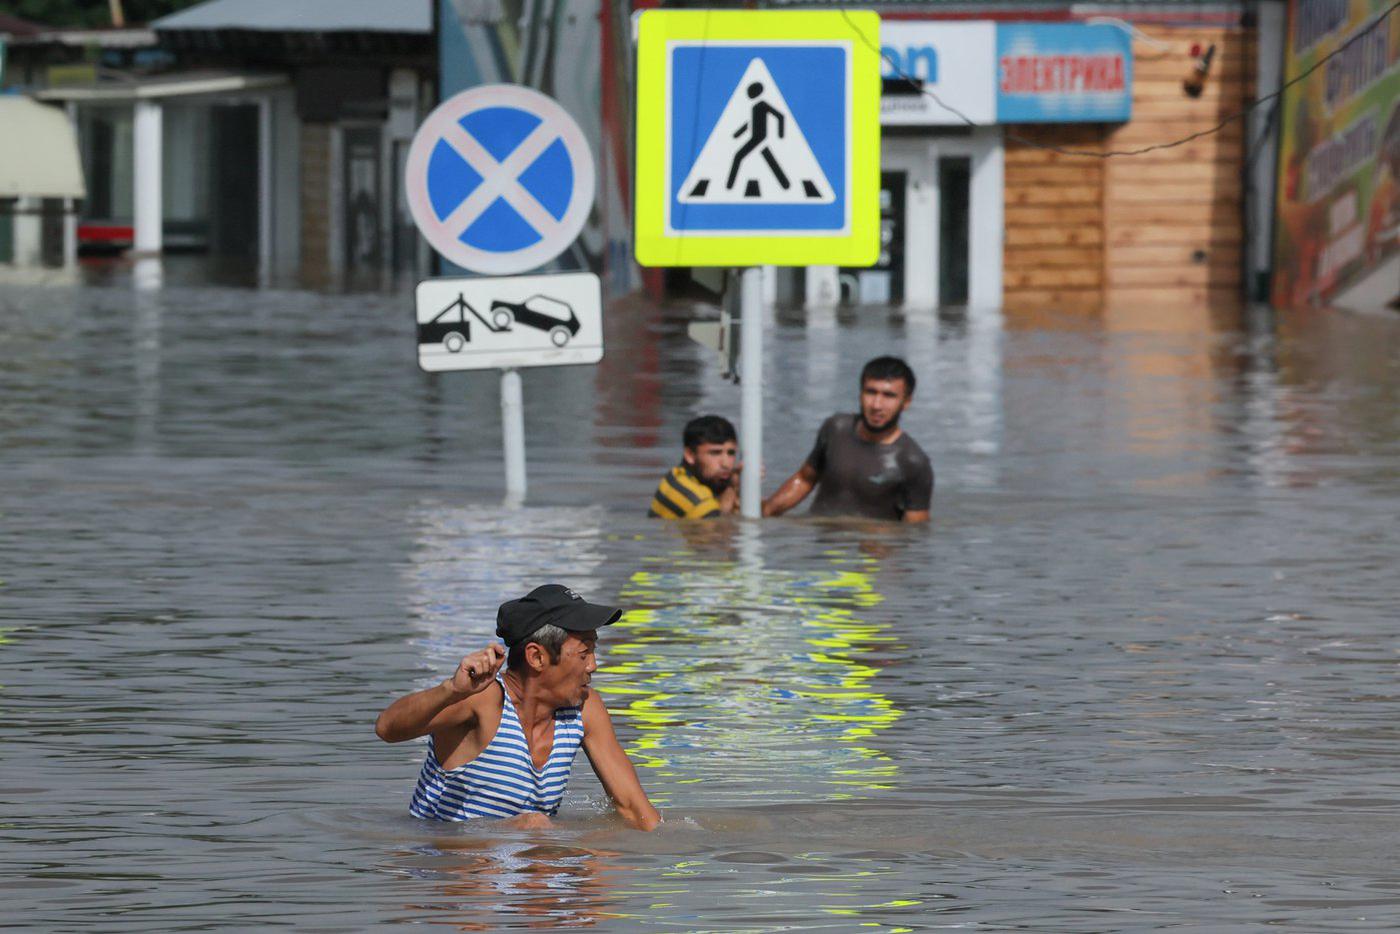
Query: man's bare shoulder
x: 482, y: 707
x: 471, y: 721
x: 489, y: 700
x: 595, y: 709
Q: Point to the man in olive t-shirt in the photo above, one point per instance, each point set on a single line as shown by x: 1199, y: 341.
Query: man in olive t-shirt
x: 864, y: 464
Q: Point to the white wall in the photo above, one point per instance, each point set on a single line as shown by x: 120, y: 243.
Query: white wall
x: 186, y: 162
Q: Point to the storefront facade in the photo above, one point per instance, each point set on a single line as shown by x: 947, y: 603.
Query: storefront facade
x: 1337, y: 240
x: 269, y: 141
x: 1003, y: 186
x: 950, y: 88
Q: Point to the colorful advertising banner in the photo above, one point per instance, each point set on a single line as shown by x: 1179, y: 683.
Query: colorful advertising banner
x: 1063, y: 73
x: 1337, y: 231
x: 984, y: 73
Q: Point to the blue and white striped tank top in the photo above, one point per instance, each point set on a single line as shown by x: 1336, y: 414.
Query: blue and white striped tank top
x: 502, y: 781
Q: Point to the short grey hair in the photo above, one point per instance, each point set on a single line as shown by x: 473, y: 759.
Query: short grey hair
x: 550, y: 638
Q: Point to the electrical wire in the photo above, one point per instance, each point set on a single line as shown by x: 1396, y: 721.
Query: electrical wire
x: 1089, y: 153
x: 1131, y: 30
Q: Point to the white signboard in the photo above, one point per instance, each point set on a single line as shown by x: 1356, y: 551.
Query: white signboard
x: 483, y: 324
x: 954, y: 61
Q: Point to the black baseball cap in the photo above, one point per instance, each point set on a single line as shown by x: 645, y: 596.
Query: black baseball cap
x: 550, y: 605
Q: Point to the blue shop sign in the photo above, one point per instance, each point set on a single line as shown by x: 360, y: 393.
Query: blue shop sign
x: 1063, y: 73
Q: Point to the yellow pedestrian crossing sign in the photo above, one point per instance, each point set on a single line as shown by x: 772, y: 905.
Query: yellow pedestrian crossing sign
x: 758, y: 138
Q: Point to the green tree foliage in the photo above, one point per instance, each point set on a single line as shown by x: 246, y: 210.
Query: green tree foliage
x: 92, y: 12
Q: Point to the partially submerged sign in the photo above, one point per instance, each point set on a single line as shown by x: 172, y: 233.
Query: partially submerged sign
x: 500, y: 180
x: 519, y: 321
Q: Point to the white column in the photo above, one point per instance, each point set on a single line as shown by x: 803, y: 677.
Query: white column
x: 28, y: 233
x: 823, y: 287
x: 70, y: 205
x: 146, y: 190
x: 70, y: 233
x: 987, y: 197
x: 751, y: 391
x: 513, y: 435
x: 922, y: 203
x: 146, y: 274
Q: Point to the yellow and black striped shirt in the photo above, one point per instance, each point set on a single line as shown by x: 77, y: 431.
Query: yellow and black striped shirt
x: 681, y: 496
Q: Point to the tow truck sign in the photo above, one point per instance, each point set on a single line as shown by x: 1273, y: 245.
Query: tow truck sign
x: 518, y: 321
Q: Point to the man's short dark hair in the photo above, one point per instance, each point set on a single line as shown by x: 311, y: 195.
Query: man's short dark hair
x: 708, y: 429
x: 889, y: 368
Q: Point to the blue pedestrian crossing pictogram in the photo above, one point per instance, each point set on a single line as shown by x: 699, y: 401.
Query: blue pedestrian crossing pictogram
x: 758, y: 139
x: 500, y: 179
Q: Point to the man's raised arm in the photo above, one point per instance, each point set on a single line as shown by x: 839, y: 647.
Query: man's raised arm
x: 793, y: 491
x: 425, y: 711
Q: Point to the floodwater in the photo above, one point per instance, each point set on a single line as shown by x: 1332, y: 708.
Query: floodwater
x: 1140, y: 674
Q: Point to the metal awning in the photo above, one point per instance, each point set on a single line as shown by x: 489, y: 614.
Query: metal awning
x: 38, y: 151
x: 179, y: 84
x: 401, y: 16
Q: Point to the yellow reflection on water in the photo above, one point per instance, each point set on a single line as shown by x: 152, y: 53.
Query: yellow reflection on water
x: 771, y: 669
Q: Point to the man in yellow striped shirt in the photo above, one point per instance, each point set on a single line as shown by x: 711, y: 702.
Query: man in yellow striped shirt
x: 705, y: 484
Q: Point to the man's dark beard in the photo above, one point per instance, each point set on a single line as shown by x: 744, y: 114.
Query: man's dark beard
x: 716, y: 486
x: 892, y: 424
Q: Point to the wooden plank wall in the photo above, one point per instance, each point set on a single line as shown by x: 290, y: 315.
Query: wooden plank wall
x: 315, y: 203
x: 1173, y: 228
x: 1151, y: 232
x: 1052, y: 256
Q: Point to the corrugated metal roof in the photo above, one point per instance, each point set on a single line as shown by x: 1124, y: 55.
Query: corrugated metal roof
x: 177, y: 84
x: 38, y: 151
x: 402, y: 16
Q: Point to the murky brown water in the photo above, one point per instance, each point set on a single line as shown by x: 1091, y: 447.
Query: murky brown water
x: 1141, y: 674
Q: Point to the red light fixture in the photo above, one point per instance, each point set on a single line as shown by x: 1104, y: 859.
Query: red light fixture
x: 1196, y: 80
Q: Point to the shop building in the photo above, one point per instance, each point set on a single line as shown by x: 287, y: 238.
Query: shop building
x: 1337, y: 236
x: 269, y: 139
x: 998, y: 187
x: 42, y: 186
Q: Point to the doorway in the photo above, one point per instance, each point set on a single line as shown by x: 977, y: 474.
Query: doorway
x: 363, y: 204
x: 951, y: 217
x: 233, y: 194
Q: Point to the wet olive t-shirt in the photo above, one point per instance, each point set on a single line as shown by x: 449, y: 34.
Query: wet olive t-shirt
x: 864, y: 478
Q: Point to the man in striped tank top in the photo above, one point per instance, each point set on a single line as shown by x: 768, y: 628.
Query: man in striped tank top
x: 501, y: 741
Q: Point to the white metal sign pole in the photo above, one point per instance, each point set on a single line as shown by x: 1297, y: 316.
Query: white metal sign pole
x: 751, y: 391
x: 513, y: 434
